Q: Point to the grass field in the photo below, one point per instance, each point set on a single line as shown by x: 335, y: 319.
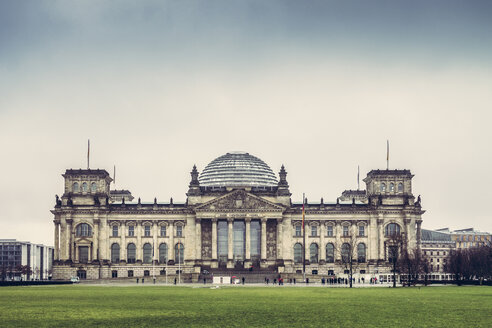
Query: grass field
x: 161, y: 306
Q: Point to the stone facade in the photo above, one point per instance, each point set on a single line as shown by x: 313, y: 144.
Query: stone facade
x: 229, y: 227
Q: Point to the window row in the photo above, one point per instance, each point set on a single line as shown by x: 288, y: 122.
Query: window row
x: 84, y: 187
x: 382, y: 187
x: 147, y: 231
x: 148, y: 253
x: 329, y: 231
x: 345, y: 252
x: 390, y: 230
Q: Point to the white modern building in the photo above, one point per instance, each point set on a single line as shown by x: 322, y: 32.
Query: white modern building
x: 21, y: 260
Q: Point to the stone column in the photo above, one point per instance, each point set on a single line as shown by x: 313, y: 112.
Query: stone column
x: 419, y: 233
x: 322, y: 246
x: 248, y: 239
x: 230, y: 239
x: 95, y: 238
x: 139, y: 254
x: 171, y: 240
x: 123, y: 241
x: 198, y: 239
x: 155, y: 244
x: 104, y: 234
x: 57, y: 240
x: 63, y: 240
x: 279, y: 239
x: 70, y: 247
x: 338, y: 237
x: 263, y: 239
x: 372, y: 239
x: 381, y: 237
x: 214, y: 239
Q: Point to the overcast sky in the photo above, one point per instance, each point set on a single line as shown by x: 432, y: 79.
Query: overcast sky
x: 319, y: 86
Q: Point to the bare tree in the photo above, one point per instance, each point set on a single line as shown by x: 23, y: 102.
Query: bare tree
x: 350, y: 258
x: 395, y: 244
x: 412, y: 263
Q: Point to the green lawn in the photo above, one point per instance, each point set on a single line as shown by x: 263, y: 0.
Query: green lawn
x: 160, y: 306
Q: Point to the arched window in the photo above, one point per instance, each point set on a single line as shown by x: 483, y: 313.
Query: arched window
x: 298, y: 253
x: 313, y: 253
x: 179, y: 253
x: 75, y: 187
x: 131, y: 253
x: 392, y: 187
x: 84, y: 187
x: 83, y: 230
x: 383, y: 187
x: 346, y: 253
x: 93, y: 187
x: 361, y: 252
x: 400, y: 187
x: 392, y: 229
x: 162, y: 253
x: 115, y: 253
x: 147, y: 253
x: 330, y: 253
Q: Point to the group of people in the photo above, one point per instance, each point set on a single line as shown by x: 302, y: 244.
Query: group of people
x: 280, y: 281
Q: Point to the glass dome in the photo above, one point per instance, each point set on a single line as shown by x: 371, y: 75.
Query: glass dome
x: 237, y: 169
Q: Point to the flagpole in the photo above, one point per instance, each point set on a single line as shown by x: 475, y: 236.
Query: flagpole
x: 358, y: 179
x: 387, y: 154
x: 303, y: 242
x: 88, y: 151
x: 153, y: 261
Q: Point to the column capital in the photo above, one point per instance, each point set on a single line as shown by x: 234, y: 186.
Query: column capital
x: 214, y: 220
x: 247, y: 220
x: 197, y: 220
x: 264, y: 220
x: 230, y: 220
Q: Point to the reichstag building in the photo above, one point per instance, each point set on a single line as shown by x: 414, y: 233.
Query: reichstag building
x: 238, y: 215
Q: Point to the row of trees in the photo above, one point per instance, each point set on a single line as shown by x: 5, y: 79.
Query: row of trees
x: 412, y: 264
x: 8, y: 272
x: 470, y: 264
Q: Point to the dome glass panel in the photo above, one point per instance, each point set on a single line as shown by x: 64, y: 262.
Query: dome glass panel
x: 237, y: 169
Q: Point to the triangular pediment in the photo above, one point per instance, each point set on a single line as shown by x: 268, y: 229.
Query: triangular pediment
x: 239, y: 201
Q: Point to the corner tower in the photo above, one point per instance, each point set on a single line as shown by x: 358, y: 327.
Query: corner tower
x: 389, y: 187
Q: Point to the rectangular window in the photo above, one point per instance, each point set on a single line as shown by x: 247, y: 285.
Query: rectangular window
x: 179, y: 231
x: 298, y: 231
x: 131, y: 231
x: 115, y: 231
x: 114, y: 274
x: 163, y: 231
x: 314, y: 231
x: 345, y: 231
x: 83, y: 254
x: 361, y: 231
x: 130, y: 273
x: 330, y: 231
x: 146, y: 273
x: 147, y: 231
